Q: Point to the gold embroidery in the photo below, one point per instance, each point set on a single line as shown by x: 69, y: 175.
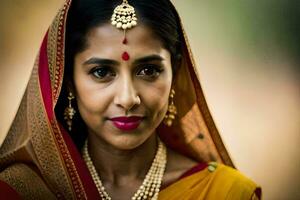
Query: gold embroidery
x: 56, y: 40
x: 55, y: 49
x: 31, y: 126
x: 26, y: 182
x: 43, y: 143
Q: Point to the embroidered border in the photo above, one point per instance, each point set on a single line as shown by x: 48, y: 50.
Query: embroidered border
x: 56, y: 40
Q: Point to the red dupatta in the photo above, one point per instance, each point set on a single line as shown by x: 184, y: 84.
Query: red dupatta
x: 37, y: 139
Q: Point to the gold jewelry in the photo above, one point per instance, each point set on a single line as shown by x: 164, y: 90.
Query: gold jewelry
x: 152, y: 182
x: 124, y: 16
x: 69, y: 112
x: 172, y: 110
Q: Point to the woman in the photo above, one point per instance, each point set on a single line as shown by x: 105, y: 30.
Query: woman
x: 114, y: 110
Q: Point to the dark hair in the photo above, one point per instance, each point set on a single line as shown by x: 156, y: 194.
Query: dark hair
x: 158, y: 15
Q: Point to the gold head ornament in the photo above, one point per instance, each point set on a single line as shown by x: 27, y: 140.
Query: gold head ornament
x: 124, y: 16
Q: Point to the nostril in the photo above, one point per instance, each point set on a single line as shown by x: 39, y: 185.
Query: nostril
x: 127, y: 101
x: 126, y: 96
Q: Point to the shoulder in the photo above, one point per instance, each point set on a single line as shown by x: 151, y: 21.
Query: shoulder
x: 236, y: 184
x: 214, y: 181
x: 230, y: 174
x: 21, y: 179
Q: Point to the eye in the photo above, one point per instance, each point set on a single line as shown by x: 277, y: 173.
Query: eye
x: 103, y: 72
x: 150, y: 71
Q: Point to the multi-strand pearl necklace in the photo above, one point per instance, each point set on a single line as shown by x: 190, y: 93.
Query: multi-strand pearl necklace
x: 151, y: 184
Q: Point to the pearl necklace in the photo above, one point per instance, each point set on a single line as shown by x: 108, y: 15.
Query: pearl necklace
x: 151, y: 184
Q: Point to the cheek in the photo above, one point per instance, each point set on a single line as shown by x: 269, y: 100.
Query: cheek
x: 155, y: 96
x: 91, y: 101
x: 156, y: 99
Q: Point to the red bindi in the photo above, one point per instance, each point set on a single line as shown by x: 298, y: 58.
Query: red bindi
x: 125, y: 56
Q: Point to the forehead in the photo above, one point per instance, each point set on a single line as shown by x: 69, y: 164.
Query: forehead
x: 106, y: 39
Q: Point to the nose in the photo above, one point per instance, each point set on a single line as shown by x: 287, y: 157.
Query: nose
x: 126, y: 95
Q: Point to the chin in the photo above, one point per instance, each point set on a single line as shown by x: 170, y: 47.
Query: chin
x: 131, y: 139
x: 129, y: 142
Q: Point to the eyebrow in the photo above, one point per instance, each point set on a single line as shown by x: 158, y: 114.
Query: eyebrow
x: 149, y: 58
x: 104, y: 61
x: 101, y: 61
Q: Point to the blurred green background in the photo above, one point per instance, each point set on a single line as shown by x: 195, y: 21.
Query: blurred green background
x: 248, y: 28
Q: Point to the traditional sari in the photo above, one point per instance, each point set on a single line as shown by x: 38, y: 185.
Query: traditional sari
x: 39, y: 159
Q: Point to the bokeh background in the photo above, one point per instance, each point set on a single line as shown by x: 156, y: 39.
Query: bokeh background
x: 248, y: 56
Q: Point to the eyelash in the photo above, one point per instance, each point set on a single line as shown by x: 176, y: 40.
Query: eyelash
x: 157, y: 71
x: 109, y: 73
x: 95, y: 72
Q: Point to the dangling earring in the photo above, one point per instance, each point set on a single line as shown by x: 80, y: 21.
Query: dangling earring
x: 172, y: 110
x: 69, y: 112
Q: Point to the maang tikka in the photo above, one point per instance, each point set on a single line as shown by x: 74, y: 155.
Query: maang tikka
x: 69, y: 112
x: 172, y: 110
x: 124, y: 18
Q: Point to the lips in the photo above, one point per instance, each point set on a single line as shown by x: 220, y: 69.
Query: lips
x: 126, y: 123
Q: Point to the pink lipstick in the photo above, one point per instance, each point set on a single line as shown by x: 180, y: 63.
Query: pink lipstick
x: 126, y: 123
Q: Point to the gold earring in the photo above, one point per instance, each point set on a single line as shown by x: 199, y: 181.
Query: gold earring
x: 172, y: 110
x: 69, y: 112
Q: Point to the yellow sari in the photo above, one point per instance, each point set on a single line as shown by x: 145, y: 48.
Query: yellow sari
x: 214, y: 182
x: 38, y: 158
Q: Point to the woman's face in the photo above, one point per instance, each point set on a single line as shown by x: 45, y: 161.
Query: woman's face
x: 122, y: 102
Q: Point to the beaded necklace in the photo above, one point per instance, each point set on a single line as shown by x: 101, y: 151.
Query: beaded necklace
x: 151, y: 184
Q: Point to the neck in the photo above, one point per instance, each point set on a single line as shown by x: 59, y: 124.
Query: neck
x: 118, y: 166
